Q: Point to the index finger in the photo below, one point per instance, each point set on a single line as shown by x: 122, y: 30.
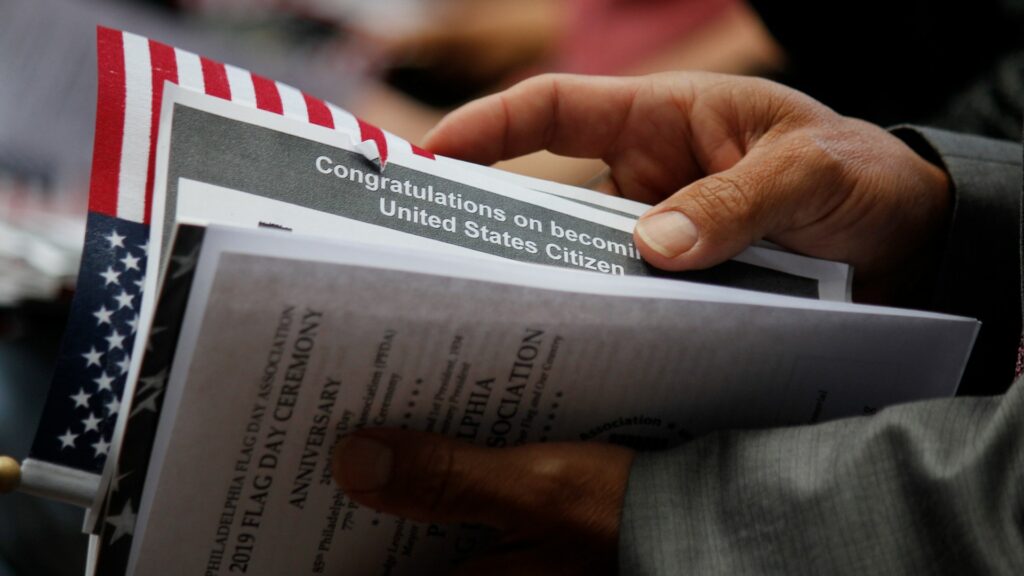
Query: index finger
x: 433, y: 478
x: 571, y: 115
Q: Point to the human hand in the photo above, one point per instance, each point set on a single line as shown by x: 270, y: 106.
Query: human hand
x: 729, y: 161
x: 556, y: 506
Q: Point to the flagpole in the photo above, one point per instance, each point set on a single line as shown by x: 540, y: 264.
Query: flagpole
x: 49, y: 481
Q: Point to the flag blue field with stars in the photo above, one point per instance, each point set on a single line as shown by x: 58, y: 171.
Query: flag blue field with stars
x: 85, y: 395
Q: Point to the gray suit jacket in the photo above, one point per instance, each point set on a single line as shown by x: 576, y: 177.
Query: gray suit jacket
x: 933, y: 487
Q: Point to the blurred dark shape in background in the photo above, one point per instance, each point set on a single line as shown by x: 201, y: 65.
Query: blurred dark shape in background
x: 36, y: 536
x: 472, y: 47
x: 946, y: 63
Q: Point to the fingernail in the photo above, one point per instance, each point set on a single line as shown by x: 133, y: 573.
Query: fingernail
x: 670, y: 233
x: 362, y: 464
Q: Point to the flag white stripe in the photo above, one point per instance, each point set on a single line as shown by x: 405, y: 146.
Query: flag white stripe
x: 344, y: 122
x: 241, y: 85
x: 397, y: 146
x: 190, y: 70
x: 292, y: 102
x: 138, y: 102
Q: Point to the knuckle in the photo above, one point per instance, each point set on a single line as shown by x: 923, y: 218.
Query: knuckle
x: 556, y: 485
x: 823, y: 156
x: 832, y: 152
x: 541, y: 81
x: 725, y: 199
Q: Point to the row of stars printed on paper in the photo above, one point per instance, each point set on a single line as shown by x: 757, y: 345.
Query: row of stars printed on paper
x: 122, y: 524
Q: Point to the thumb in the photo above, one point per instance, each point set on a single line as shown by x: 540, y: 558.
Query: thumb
x: 433, y: 478
x: 718, y: 216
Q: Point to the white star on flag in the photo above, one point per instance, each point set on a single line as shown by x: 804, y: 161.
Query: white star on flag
x: 145, y: 248
x: 123, y: 364
x: 124, y: 300
x: 103, y: 316
x: 123, y: 523
x: 115, y: 341
x: 115, y: 239
x: 133, y: 323
x: 81, y: 399
x: 104, y: 382
x: 67, y: 440
x: 92, y: 423
x: 102, y: 447
x: 110, y: 276
x: 113, y: 407
x: 92, y: 357
x: 130, y: 262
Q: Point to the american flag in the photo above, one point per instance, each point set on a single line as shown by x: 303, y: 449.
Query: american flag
x: 85, y: 397
x: 89, y: 380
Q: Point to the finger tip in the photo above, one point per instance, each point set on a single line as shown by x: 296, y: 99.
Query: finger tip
x: 670, y: 232
x: 430, y: 140
x: 660, y: 261
x: 692, y: 259
x: 452, y: 142
x: 666, y: 239
x: 362, y: 463
x: 651, y: 250
x: 337, y: 458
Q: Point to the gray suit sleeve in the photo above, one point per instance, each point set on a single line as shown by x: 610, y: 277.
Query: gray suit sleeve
x: 979, y: 273
x: 927, y: 488
x: 933, y: 487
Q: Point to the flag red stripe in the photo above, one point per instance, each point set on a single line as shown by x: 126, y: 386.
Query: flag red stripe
x: 421, y: 152
x: 165, y: 68
x: 318, y: 112
x: 370, y: 132
x: 215, y: 79
x: 267, y: 96
x: 106, y: 156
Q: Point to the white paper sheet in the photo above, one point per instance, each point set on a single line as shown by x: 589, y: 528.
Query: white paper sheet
x: 283, y: 331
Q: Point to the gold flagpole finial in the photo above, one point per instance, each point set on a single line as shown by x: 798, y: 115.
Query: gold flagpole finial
x: 10, y: 474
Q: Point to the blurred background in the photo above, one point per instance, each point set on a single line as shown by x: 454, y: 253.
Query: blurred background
x: 401, y: 64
